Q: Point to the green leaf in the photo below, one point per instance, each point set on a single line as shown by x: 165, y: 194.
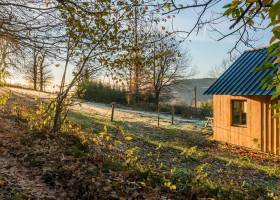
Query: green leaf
x: 227, y: 6
x: 265, y: 66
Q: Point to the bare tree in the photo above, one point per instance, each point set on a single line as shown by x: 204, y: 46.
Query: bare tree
x: 45, y: 74
x: 130, y: 66
x: 11, y: 57
x: 168, y: 64
x: 29, y: 25
x: 34, y: 63
x: 41, y: 70
x: 246, y: 18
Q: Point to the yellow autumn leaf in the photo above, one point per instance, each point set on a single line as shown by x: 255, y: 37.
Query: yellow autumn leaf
x: 107, y: 138
x: 128, y: 138
x: 272, y: 39
x: 167, y: 184
x: 170, y: 185
x: 277, y: 61
x: 173, y: 187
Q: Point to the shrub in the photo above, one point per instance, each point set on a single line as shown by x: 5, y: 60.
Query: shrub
x: 99, y: 92
x: 183, y: 180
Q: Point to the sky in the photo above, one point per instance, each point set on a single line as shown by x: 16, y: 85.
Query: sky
x: 205, y: 51
x: 206, y: 55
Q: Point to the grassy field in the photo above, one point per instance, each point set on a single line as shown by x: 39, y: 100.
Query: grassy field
x: 94, y: 158
x: 188, y: 158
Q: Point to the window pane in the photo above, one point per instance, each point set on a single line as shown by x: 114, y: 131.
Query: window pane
x: 239, y: 112
x: 243, y: 121
x: 244, y: 113
x: 236, y: 112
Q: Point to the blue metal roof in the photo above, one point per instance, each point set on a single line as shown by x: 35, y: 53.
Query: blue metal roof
x: 242, y: 78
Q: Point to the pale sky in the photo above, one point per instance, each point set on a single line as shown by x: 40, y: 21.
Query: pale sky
x: 205, y: 51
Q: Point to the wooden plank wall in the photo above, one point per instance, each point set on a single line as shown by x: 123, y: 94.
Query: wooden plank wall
x: 262, y: 130
x: 270, y: 139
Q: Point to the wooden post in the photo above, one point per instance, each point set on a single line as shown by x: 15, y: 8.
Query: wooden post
x: 172, y: 117
x: 158, y: 115
x: 112, y: 114
x: 195, y: 98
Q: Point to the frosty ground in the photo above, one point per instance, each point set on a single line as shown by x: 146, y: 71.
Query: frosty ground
x: 130, y: 158
x: 121, y: 113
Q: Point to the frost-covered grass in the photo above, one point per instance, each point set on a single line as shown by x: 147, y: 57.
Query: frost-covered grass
x: 104, y: 110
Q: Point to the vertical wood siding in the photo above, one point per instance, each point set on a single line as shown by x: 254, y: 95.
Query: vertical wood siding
x: 270, y: 132
x: 262, y: 130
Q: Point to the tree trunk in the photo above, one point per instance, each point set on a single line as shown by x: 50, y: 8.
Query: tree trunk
x: 41, y: 72
x: 172, y: 115
x: 35, y: 77
x: 136, y: 61
x: 158, y: 114
x: 137, y: 93
x: 57, y: 122
x: 35, y: 70
x: 157, y: 97
x: 41, y: 79
x: 157, y: 105
x: 130, y: 87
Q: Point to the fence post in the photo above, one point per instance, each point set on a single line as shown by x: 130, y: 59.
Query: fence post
x: 195, y: 97
x: 158, y: 115
x: 113, y: 109
x: 172, y: 117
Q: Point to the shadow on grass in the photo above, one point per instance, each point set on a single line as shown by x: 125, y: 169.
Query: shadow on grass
x: 172, y: 135
x: 172, y: 147
x: 164, y: 149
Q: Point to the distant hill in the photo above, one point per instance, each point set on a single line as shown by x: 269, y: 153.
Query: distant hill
x: 183, y: 92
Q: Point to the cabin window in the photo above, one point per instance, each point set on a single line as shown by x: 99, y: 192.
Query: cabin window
x: 239, y: 113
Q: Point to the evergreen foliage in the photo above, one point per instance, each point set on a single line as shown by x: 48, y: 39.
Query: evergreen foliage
x: 99, y: 92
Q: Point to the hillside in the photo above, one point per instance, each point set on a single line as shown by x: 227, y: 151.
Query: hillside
x: 130, y: 158
x: 184, y: 90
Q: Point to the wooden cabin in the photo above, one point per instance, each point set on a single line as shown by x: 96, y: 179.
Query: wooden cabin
x: 241, y: 106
